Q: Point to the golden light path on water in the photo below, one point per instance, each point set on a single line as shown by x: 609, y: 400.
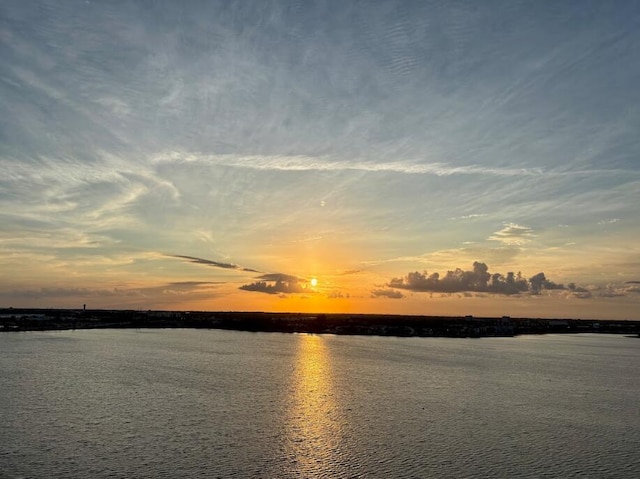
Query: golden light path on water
x: 315, y: 424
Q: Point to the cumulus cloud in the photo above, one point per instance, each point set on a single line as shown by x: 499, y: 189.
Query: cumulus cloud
x: 214, y: 264
x: 513, y: 234
x: 539, y: 282
x: 274, y: 284
x: 277, y: 283
x: 478, y: 280
x: 386, y: 293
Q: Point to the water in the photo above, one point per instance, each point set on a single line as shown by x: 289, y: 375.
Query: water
x: 189, y: 403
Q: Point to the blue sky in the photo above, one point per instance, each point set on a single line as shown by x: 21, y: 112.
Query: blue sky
x: 351, y: 142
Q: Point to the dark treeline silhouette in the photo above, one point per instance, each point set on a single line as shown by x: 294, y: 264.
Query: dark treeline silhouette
x: 355, y: 324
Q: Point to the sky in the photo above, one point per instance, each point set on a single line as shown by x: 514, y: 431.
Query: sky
x: 428, y: 157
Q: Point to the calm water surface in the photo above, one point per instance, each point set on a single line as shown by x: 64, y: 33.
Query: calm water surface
x: 189, y: 403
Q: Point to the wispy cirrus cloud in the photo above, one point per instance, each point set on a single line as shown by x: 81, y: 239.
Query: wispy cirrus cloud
x: 214, y: 264
x: 469, y: 217
x: 349, y: 272
x: 319, y: 163
x: 609, y: 221
x: 513, y: 234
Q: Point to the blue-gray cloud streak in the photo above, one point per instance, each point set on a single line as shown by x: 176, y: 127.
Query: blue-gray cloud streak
x: 215, y: 264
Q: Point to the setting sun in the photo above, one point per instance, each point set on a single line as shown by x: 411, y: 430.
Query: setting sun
x: 313, y: 282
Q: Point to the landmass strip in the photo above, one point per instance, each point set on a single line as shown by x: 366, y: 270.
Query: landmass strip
x: 355, y: 324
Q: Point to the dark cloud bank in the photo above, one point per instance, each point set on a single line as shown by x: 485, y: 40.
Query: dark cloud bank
x: 276, y: 283
x: 269, y: 283
x: 478, y: 280
x: 386, y: 293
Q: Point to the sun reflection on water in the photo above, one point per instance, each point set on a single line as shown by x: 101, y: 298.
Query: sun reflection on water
x: 315, y: 421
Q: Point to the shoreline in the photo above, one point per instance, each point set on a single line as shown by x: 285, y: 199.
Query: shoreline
x: 16, y: 320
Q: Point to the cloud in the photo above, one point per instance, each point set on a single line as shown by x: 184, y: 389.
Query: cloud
x: 468, y: 217
x: 611, y: 293
x: 513, y: 234
x: 616, y: 291
x: 269, y: 283
x: 337, y: 295
x: 477, y: 280
x: 197, y: 289
x: 350, y: 271
x: 576, y: 289
x: 501, y: 254
x: 322, y: 163
x: 278, y: 283
x: 583, y: 295
x: 285, y: 278
x: 386, y: 293
x: 539, y: 282
x: 275, y: 287
x: 604, y: 291
x: 214, y: 264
